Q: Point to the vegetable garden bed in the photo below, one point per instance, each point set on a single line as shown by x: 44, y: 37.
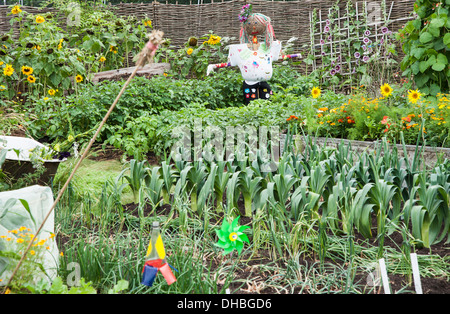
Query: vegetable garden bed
x: 340, y: 198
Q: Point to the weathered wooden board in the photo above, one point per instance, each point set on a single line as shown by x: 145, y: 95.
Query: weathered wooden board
x: 148, y: 70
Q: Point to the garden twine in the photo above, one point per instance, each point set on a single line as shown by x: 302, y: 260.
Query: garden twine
x: 145, y: 56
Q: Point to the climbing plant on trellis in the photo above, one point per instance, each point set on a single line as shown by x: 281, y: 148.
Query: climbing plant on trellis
x: 352, y: 45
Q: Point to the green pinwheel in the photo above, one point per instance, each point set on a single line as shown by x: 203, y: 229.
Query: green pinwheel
x: 231, y: 236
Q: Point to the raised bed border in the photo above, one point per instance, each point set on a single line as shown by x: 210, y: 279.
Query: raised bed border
x: 429, y: 154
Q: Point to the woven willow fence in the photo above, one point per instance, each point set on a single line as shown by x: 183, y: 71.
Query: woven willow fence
x: 179, y: 22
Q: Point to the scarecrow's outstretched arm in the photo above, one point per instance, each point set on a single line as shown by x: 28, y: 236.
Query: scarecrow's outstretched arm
x: 297, y: 55
x: 212, y: 67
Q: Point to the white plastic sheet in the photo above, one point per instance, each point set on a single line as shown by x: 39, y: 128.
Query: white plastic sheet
x: 40, y: 200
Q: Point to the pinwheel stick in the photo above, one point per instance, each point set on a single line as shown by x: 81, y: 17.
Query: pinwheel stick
x: 144, y: 57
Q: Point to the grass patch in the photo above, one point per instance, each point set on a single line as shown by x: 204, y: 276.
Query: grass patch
x: 92, y: 175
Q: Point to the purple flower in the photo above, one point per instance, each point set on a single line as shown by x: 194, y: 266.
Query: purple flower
x: 62, y: 155
x: 384, y: 30
x: 365, y: 59
x: 364, y: 47
x: 322, y: 41
x: 337, y: 68
x: 357, y: 55
x: 333, y: 72
x: 327, y: 22
x: 329, y: 37
x: 326, y: 29
x: 367, y: 33
x: 366, y: 40
x: 323, y: 53
x: 382, y: 41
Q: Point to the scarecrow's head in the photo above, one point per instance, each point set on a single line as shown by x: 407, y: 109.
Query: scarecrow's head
x: 255, y: 24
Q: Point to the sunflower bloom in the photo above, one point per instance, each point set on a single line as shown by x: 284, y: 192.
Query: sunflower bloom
x: 51, y: 92
x: 102, y: 59
x: 27, y: 70
x: 315, y: 92
x: 213, y: 40
x: 386, y: 90
x: 40, y: 19
x: 79, y: 78
x: 8, y: 70
x: 414, y: 96
x: 190, y: 51
x: 31, y: 79
x: 16, y: 10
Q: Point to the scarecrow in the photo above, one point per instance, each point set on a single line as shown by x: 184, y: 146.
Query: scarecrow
x: 254, y: 58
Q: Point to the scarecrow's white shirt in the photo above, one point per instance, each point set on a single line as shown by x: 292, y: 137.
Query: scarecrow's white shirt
x: 255, y: 66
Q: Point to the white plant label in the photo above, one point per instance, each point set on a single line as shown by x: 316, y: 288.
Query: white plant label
x: 416, y: 273
x: 384, y: 276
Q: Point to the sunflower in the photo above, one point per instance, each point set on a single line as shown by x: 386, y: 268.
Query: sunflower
x: 16, y: 10
x: 113, y: 49
x: 27, y: 70
x: 386, y: 90
x: 8, y: 70
x: 315, y: 92
x: 189, y: 51
x: 79, y: 78
x: 102, y: 59
x: 51, y: 92
x: 213, y: 40
x: 148, y: 23
x: 192, y: 42
x: 31, y: 79
x: 414, y: 96
x: 40, y: 19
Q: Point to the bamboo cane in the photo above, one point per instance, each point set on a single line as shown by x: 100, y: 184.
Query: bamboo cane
x: 144, y: 57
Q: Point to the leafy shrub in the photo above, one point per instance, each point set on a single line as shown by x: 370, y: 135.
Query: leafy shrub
x: 45, y: 60
x: 426, y: 43
x: 193, y: 59
x: 155, y: 132
x: 78, y: 113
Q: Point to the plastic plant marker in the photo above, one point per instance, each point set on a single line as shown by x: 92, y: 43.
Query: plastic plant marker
x: 416, y: 273
x: 384, y: 276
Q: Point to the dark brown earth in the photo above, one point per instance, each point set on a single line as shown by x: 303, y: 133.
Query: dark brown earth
x: 398, y: 283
